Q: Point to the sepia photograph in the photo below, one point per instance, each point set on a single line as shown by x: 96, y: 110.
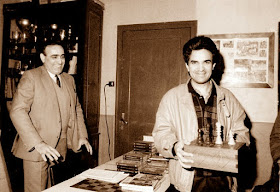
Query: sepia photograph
x: 139, y: 95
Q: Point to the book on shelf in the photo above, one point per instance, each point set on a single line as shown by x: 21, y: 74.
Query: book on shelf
x: 142, y: 182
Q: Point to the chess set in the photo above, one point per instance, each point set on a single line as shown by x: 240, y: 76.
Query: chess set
x: 215, y: 155
x: 97, y: 185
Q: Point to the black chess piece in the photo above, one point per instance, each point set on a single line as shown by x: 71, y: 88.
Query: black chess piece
x: 200, y: 137
x: 207, y: 135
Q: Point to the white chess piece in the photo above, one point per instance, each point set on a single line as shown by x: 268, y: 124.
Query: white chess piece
x: 219, y: 140
x: 231, y: 139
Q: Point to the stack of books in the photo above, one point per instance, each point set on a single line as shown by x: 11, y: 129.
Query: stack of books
x: 142, y: 182
x: 136, y: 156
x: 155, y: 165
x: 144, y: 147
x: 153, y: 170
x: 130, y: 167
x: 158, y: 161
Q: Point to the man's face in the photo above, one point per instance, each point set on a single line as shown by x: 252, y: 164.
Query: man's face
x: 53, y: 59
x: 200, y: 66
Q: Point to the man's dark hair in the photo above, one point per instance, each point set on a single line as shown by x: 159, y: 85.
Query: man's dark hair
x: 198, y: 43
x: 47, y: 43
x: 202, y: 42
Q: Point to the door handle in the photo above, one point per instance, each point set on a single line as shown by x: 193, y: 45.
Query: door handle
x: 122, y: 119
x: 125, y: 122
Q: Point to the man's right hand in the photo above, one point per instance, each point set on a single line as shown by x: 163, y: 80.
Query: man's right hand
x: 47, y: 152
x: 184, y: 158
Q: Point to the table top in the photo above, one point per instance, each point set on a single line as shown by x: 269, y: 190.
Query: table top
x: 110, y: 165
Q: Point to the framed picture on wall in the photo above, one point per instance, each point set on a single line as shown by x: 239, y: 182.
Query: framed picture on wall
x: 248, y: 59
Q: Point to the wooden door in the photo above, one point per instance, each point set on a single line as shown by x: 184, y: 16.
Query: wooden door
x: 92, y: 35
x: 150, y: 62
x: 91, y: 73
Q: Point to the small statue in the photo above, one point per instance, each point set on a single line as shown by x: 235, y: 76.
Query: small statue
x: 219, y: 140
x: 200, y: 137
x: 231, y: 139
x: 208, y: 139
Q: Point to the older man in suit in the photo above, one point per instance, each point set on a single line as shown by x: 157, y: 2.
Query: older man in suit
x: 48, y: 118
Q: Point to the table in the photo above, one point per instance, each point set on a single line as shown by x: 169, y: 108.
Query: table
x: 111, y: 165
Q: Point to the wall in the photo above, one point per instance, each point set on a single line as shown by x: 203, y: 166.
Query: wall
x: 250, y: 16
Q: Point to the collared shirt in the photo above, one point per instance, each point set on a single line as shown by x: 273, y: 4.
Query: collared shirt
x: 54, y: 78
x: 207, y: 117
x: 206, y: 113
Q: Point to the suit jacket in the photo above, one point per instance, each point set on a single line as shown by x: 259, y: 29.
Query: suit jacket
x: 36, y: 116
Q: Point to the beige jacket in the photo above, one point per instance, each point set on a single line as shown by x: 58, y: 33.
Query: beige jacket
x: 176, y: 120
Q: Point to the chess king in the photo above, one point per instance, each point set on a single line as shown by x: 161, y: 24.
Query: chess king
x: 195, y: 107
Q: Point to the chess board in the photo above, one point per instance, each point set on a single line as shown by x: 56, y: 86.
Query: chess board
x: 97, y: 185
x: 215, y: 157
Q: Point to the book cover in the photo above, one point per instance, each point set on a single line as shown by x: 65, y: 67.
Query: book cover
x: 154, y: 170
x: 104, y: 175
x: 135, y: 156
x: 141, y: 182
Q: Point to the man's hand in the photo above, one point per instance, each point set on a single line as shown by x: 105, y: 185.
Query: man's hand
x: 84, y: 141
x: 47, y: 152
x: 184, y: 158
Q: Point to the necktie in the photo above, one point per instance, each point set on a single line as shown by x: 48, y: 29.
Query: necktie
x: 57, y: 80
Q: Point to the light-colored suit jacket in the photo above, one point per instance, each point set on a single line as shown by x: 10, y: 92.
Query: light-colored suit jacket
x: 36, y: 115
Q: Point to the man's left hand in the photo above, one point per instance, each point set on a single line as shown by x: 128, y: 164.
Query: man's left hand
x: 84, y: 141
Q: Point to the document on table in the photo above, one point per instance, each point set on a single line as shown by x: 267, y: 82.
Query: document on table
x: 104, y: 175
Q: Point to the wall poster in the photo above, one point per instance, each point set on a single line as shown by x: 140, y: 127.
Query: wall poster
x: 248, y: 59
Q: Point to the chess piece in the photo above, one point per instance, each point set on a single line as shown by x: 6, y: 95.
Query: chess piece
x: 231, y: 139
x: 200, y: 138
x: 219, y: 140
x: 207, y: 135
